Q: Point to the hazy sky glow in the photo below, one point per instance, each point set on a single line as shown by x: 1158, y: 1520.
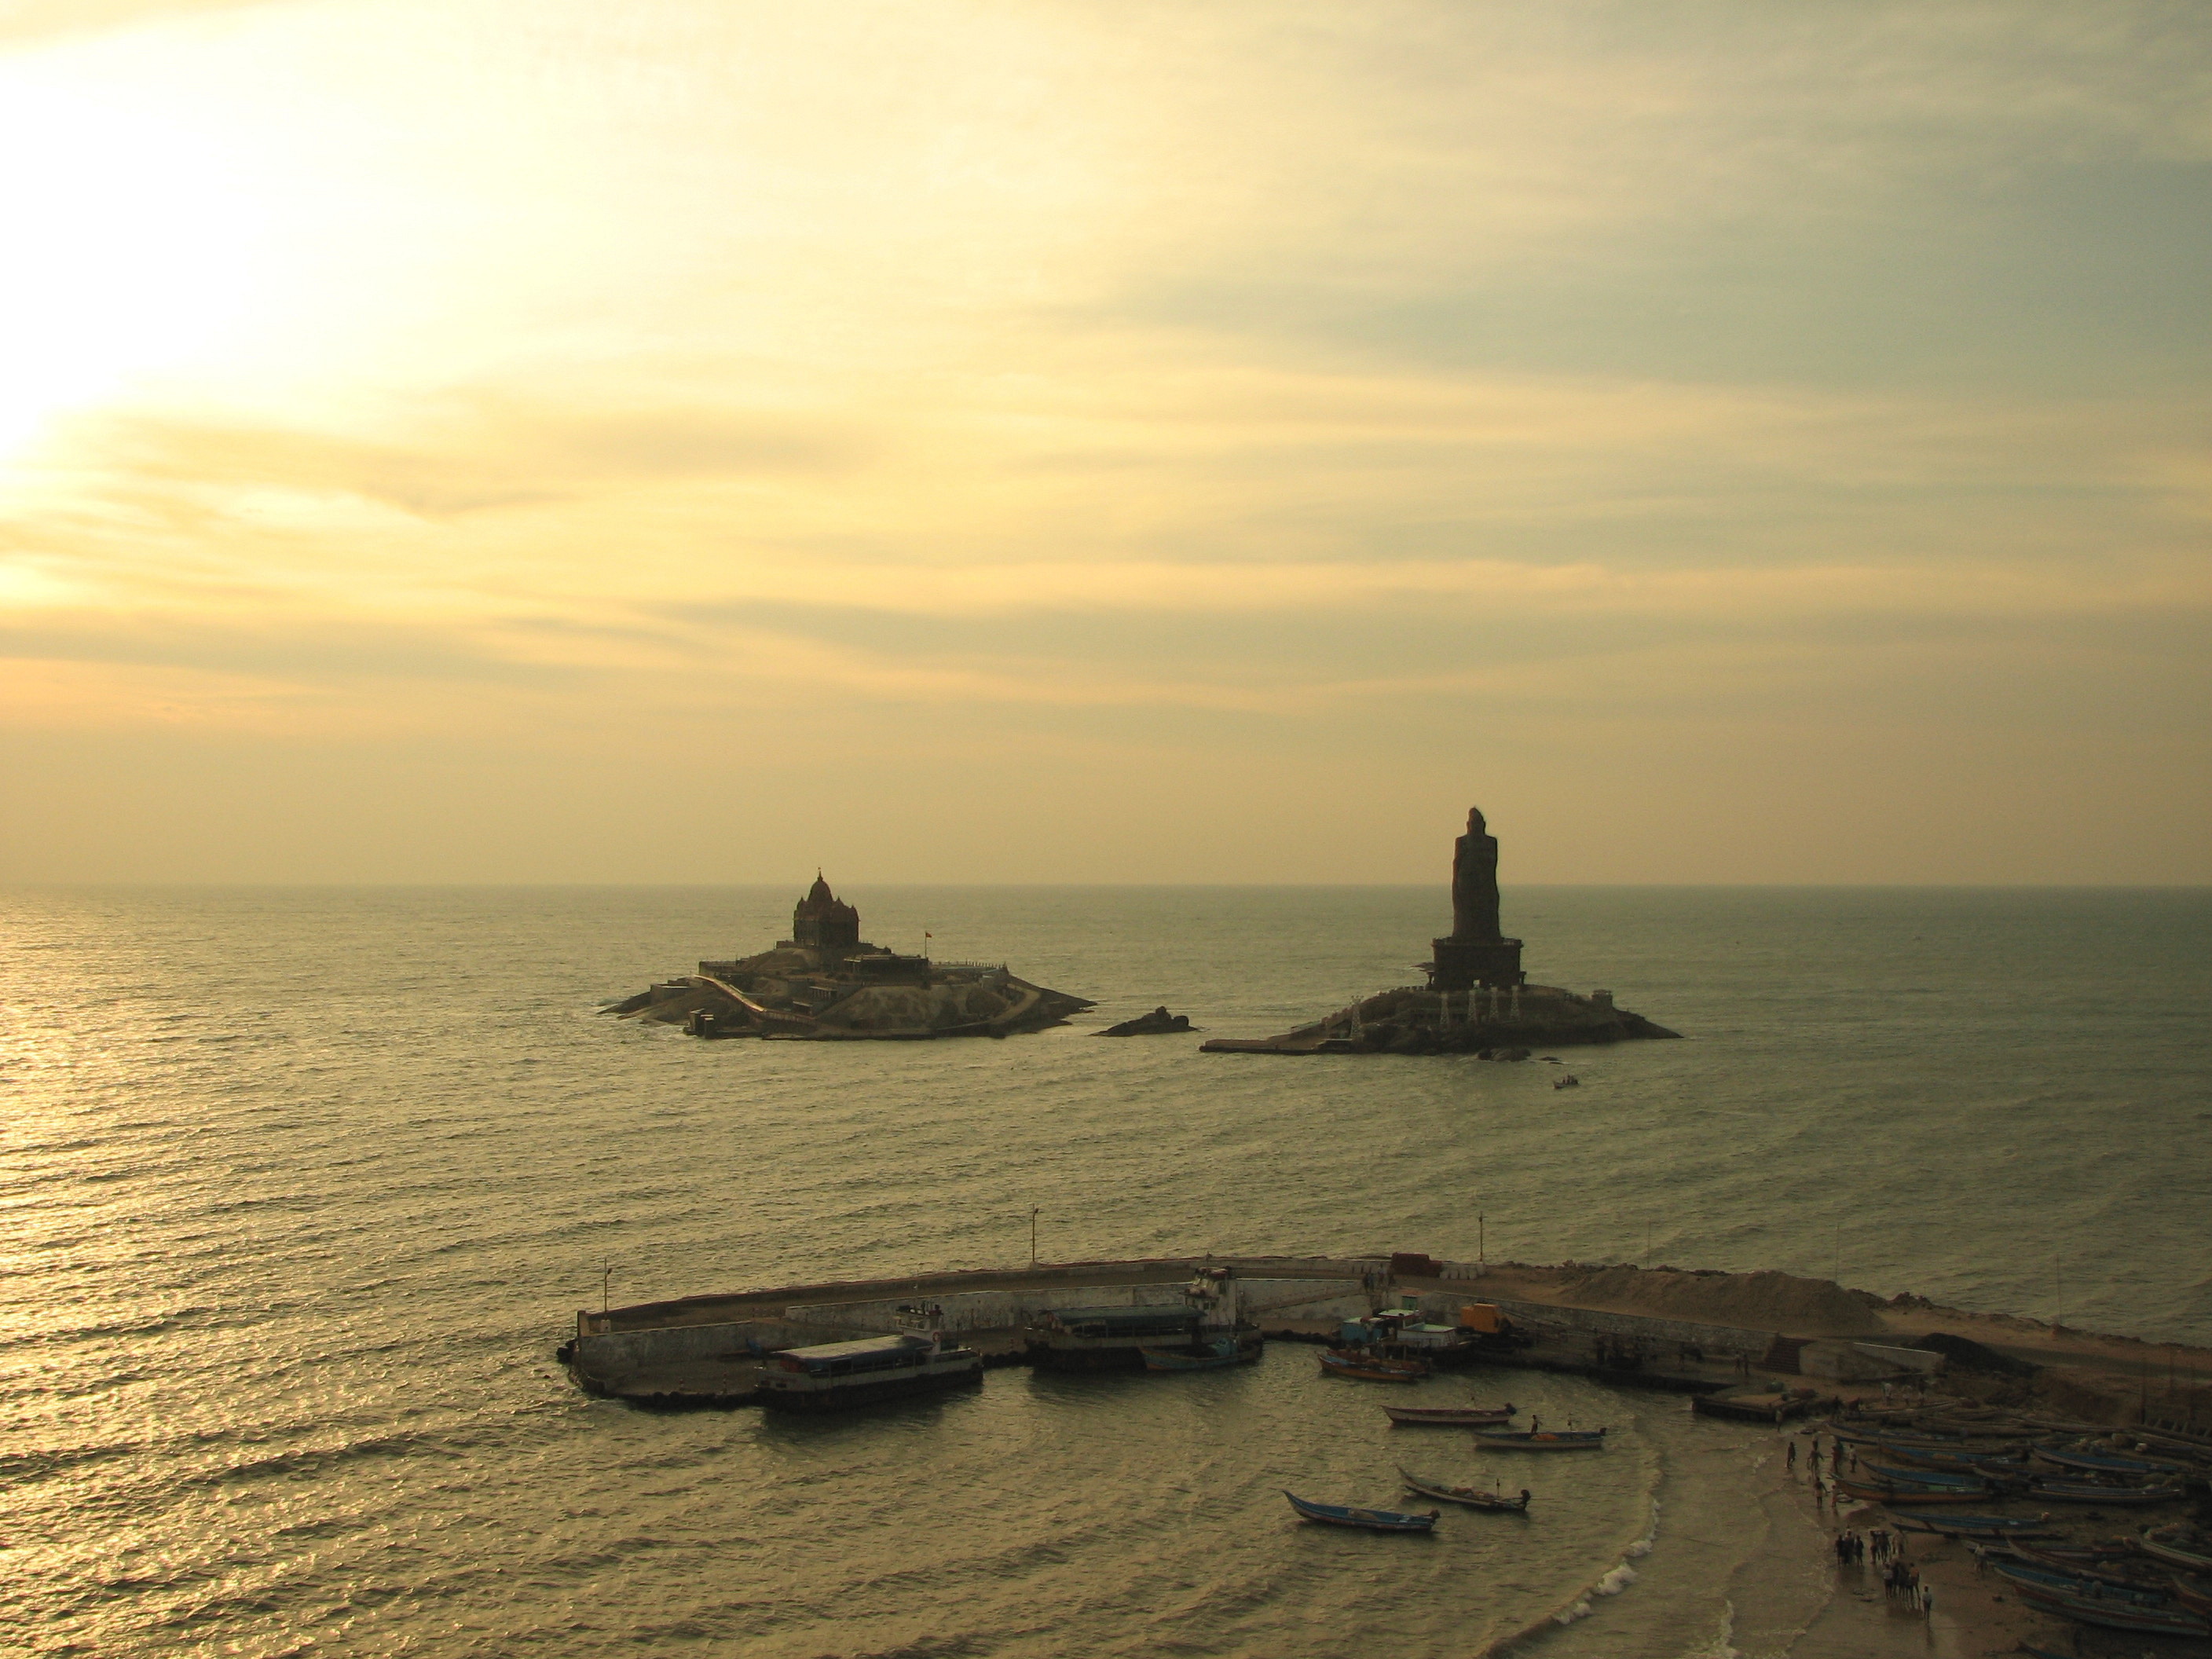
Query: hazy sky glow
x: 1024, y: 441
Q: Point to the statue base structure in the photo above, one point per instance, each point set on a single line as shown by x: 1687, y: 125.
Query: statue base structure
x: 1497, y: 1022
x: 1460, y: 965
x: 1477, y: 1000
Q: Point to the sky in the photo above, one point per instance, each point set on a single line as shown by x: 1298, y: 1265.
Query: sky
x: 527, y: 440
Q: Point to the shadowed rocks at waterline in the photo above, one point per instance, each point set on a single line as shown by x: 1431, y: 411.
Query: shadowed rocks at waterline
x: 1477, y: 997
x: 826, y: 983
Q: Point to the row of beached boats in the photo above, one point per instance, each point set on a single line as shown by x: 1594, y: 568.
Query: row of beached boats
x: 2158, y: 1584
x: 1918, y: 1467
x: 1922, y: 1464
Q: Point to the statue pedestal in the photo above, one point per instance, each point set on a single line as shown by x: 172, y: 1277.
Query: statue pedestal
x: 1462, y: 962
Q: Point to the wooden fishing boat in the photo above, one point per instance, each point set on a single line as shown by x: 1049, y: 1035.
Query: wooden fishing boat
x: 1977, y: 1526
x: 1541, y: 1439
x: 2065, y: 1580
x: 1944, y: 1479
x: 1891, y: 1493
x: 2090, y: 1492
x: 1473, y: 1497
x: 1459, y: 1417
x: 2195, y: 1594
x: 2180, y: 1544
x: 1369, y: 1368
x: 2122, y: 1567
x: 1223, y: 1351
x: 2089, y: 1603
x: 2103, y: 1463
x: 1343, y: 1515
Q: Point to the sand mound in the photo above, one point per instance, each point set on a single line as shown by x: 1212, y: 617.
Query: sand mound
x: 1761, y: 1302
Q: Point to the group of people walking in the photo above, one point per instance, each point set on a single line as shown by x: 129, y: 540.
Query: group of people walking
x: 1886, y: 1549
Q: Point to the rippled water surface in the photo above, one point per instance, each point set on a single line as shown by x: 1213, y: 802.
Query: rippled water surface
x: 303, y: 1187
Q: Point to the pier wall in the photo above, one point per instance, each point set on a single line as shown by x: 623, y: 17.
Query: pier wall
x: 994, y: 1310
x: 615, y: 1352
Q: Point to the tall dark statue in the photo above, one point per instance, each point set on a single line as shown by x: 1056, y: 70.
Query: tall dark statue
x: 1475, y: 882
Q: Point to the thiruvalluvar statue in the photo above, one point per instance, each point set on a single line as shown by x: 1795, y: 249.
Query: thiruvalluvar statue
x: 1475, y: 882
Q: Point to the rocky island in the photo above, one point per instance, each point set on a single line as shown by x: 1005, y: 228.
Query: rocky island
x: 1477, y: 1000
x: 826, y: 982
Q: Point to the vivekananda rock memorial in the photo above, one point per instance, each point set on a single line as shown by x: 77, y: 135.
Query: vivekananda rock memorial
x: 1477, y: 1000
x: 825, y: 982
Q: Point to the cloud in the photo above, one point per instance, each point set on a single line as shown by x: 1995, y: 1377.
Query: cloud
x: 31, y: 22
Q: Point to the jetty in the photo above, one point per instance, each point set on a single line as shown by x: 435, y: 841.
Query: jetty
x: 1764, y: 1347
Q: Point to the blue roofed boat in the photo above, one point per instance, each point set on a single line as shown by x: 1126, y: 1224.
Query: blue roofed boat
x: 837, y: 1375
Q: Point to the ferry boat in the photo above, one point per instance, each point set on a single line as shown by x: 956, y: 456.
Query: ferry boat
x: 838, y: 1376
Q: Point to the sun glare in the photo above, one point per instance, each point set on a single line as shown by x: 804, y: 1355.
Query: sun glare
x: 131, y: 242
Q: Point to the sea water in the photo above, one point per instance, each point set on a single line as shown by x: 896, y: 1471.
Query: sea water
x: 303, y: 1187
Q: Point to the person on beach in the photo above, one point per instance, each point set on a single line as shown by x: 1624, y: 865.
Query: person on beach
x: 1792, y: 1463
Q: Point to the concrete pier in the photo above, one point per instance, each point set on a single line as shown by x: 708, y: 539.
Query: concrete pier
x: 709, y: 1350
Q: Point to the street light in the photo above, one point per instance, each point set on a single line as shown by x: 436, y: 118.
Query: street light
x: 1033, y: 1215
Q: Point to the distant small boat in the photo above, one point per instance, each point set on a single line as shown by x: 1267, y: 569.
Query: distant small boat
x: 1342, y: 1515
x: 1368, y: 1368
x: 1542, y: 1440
x: 1570, y: 1081
x: 1473, y: 1497
x: 1447, y: 1416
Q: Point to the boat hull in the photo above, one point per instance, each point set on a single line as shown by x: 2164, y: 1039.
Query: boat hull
x: 1544, y: 1440
x: 1467, y: 1496
x: 1373, y: 1370
x: 873, y: 1391
x: 1448, y: 1416
x: 1345, y: 1514
x: 1172, y: 1360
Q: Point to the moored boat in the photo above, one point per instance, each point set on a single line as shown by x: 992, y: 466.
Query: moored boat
x: 1371, y: 1368
x: 839, y: 1375
x: 1473, y: 1497
x: 1536, y: 1439
x: 1115, y: 1339
x: 1221, y: 1352
x: 1345, y: 1514
x: 1447, y: 1416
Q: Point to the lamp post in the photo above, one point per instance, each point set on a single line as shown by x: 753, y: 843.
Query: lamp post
x: 1033, y: 1215
x: 606, y: 1283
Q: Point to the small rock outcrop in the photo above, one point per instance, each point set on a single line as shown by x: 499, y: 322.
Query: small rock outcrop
x: 1158, y: 1022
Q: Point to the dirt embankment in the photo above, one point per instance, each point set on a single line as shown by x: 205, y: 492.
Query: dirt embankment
x: 1759, y: 1302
